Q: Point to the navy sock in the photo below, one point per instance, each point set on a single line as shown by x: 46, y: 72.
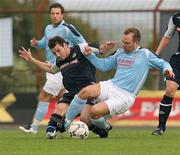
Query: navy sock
x: 164, y: 111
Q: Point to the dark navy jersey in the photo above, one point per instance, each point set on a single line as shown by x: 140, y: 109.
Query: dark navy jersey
x: 174, y: 26
x: 76, y: 70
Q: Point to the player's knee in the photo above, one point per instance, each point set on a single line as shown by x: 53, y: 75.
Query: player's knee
x: 170, y: 91
x: 84, y: 93
x: 44, y: 96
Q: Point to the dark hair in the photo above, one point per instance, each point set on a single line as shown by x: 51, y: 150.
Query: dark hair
x: 135, y: 31
x: 57, y: 5
x: 56, y: 40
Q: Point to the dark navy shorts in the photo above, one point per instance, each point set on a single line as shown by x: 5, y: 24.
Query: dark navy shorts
x: 175, y: 64
x: 69, y: 96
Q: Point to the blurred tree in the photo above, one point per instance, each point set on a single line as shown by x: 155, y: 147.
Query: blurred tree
x: 22, y: 77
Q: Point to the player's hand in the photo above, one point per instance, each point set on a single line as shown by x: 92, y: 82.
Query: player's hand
x: 25, y: 54
x: 87, y: 51
x: 169, y: 73
x: 33, y: 42
x: 106, y: 47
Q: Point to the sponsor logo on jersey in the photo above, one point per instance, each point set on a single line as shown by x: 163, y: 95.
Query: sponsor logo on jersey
x: 126, y: 62
x: 75, y: 61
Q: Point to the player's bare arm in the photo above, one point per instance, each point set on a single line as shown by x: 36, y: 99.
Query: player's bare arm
x: 104, y: 48
x: 26, y: 55
x: 167, y: 36
x: 164, y: 42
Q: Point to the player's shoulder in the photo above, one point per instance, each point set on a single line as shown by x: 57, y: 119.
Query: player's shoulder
x: 76, y: 49
x: 176, y: 16
x: 119, y: 50
x: 148, y: 52
x: 71, y: 28
x: 76, y: 52
x: 49, y: 27
x: 145, y: 50
x: 67, y: 25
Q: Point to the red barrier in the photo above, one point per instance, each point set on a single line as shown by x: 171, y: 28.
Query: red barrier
x: 148, y: 109
x: 144, y: 112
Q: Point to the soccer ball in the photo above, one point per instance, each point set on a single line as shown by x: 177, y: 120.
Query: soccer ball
x: 78, y: 130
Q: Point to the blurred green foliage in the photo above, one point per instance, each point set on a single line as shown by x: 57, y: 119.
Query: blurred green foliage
x: 22, y: 76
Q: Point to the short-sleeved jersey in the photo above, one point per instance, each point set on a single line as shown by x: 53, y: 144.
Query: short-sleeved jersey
x: 176, y: 20
x: 63, y: 30
x: 76, y: 70
x: 173, y: 26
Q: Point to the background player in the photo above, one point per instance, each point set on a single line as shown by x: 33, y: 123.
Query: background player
x: 172, y: 84
x: 53, y: 84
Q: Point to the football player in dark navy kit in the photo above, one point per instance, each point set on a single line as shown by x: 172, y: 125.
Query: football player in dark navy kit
x: 172, y: 84
x: 77, y: 73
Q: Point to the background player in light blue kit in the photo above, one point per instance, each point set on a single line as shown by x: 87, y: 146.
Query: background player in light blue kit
x: 53, y: 84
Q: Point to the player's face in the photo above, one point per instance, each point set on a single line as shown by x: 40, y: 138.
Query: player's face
x: 56, y: 15
x: 61, y: 52
x: 128, y: 42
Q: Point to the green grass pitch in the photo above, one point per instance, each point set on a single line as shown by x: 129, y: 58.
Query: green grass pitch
x: 121, y: 141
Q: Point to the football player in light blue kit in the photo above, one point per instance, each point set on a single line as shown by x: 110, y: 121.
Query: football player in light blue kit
x: 117, y: 95
x: 53, y: 84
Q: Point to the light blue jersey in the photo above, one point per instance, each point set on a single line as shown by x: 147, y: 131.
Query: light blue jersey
x: 131, y: 68
x: 64, y: 30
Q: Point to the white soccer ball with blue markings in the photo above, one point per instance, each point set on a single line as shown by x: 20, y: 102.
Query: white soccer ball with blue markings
x: 78, y: 130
